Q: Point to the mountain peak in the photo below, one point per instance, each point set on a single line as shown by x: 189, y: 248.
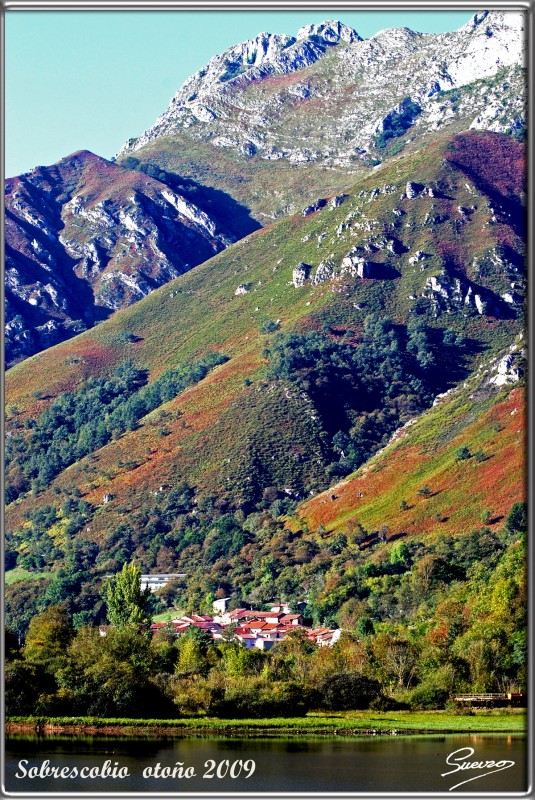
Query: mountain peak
x: 84, y: 154
x: 83, y: 158
x: 391, y: 36
x: 332, y: 31
x: 486, y: 21
x: 274, y: 76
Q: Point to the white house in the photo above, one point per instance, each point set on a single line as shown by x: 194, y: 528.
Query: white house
x: 155, y: 582
x: 220, y: 606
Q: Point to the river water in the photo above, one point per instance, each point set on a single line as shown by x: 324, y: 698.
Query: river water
x: 306, y: 765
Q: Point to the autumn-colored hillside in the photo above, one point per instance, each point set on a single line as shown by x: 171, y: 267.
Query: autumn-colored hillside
x: 420, y: 485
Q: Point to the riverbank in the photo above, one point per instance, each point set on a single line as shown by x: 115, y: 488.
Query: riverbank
x: 347, y: 723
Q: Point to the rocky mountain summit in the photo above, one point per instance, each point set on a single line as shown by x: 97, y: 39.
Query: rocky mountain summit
x: 86, y: 237
x: 329, y: 96
x: 265, y: 55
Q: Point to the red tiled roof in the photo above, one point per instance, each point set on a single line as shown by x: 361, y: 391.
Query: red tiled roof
x: 238, y: 612
x: 256, y: 623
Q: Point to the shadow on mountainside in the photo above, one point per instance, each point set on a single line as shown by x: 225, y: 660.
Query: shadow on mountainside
x: 233, y: 216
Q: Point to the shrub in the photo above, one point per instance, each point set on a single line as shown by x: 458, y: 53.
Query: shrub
x: 257, y: 698
x: 269, y: 326
x: 22, y: 682
x: 382, y: 703
x: 428, y: 696
x: 344, y: 691
x: 463, y: 454
x: 517, y: 519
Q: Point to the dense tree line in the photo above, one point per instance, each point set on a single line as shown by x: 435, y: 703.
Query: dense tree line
x: 60, y: 671
x: 420, y: 621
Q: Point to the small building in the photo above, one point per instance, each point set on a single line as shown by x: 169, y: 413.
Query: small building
x: 274, y: 617
x: 257, y: 626
x: 248, y: 640
x: 220, y: 606
x: 155, y: 582
x: 270, y: 631
x: 264, y: 644
x: 231, y: 617
x: 291, y: 619
x: 324, y: 637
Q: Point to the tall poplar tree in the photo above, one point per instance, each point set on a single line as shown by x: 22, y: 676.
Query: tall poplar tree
x: 127, y: 605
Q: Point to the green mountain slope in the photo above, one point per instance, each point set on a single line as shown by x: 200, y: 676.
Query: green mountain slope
x: 272, y: 188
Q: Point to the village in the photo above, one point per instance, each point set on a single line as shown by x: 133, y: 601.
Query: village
x: 260, y: 629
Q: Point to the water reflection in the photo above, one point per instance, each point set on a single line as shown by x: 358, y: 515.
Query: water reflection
x: 315, y: 764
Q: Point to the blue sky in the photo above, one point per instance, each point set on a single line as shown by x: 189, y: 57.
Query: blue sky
x: 90, y: 80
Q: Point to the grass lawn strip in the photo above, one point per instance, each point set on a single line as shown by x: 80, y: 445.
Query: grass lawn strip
x: 350, y: 723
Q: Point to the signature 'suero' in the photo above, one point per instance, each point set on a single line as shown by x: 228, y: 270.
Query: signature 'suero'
x: 459, y: 760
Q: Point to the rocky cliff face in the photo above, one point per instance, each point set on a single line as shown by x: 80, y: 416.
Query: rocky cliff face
x: 329, y: 96
x: 86, y: 237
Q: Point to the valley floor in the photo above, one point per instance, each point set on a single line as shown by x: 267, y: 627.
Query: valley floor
x: 346, y: 723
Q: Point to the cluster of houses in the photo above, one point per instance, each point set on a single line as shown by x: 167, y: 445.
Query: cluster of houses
x: 260, y: 629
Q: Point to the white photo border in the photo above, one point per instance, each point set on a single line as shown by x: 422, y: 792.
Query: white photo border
x: 527, y: 6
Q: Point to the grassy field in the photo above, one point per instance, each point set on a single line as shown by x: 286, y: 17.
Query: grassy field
x: 349, y: 723
x: 20, y: 574
x: 166, y: 616
x: 425, y: 455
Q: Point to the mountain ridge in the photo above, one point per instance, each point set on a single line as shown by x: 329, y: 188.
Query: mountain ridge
x: 346, y: 259
x: 451, y: 61
x: 86, y: 237
x: 250, y: 476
